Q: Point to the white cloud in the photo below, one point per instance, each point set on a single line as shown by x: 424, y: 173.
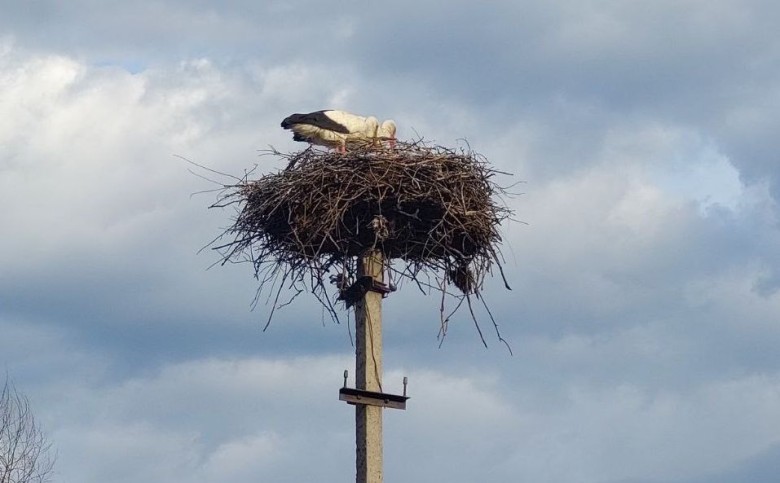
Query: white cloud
x: 265, y: 413
x: 243, y: 459
x: 203, y: 420
x: 626, y: 432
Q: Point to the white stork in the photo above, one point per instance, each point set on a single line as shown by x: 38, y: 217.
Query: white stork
x: 333, y: 129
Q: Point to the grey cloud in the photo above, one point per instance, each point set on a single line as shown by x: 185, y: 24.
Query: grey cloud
x: 759, y: 468
x: 643, y: 316
x: 152, y: 32
x: 683, y: 64
x: 707, y: 68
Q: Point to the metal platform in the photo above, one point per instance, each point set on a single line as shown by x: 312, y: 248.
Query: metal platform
x: 372, y: 398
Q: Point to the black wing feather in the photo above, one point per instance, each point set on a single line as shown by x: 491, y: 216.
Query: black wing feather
x: 317, y: 118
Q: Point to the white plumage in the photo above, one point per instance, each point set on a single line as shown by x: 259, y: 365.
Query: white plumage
x: 334, y: 129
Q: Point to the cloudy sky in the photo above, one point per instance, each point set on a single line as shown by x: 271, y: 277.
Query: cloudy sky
x: 645, y: 310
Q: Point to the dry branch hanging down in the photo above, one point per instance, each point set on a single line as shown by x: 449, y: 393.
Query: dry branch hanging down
x: 431, y: 207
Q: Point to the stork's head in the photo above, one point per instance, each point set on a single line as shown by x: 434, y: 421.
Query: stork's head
x: 387, y: 130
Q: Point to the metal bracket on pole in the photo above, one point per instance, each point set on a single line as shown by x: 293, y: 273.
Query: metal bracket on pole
x: 355, y: 292
x: 371, y: 398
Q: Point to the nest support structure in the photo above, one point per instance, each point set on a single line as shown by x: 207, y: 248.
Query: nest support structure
x: 433, y: 208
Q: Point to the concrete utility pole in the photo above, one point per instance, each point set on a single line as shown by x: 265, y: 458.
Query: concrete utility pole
x: 368, y: 377
x: 367, y: 395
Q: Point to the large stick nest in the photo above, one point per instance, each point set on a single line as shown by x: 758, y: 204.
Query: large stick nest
x: 432, y: 207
